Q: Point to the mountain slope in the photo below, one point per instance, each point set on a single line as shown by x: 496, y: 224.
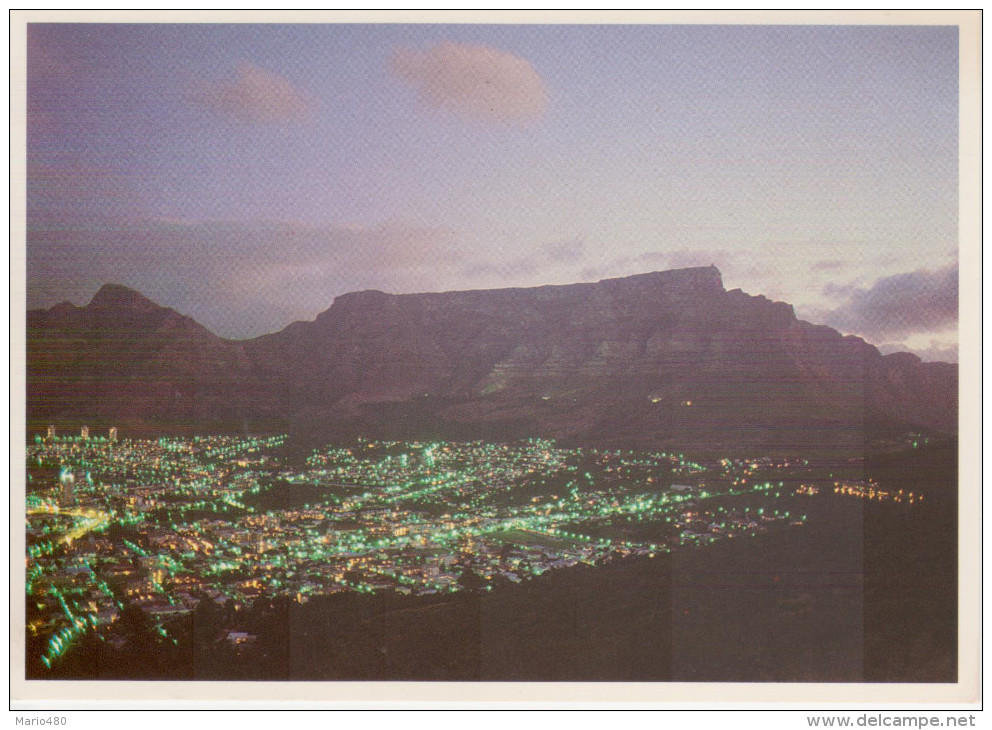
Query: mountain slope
x: 124, y: 359
x: 667, y: 358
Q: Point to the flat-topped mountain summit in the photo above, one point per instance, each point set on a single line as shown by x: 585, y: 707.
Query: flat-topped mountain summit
x: 663, y: 359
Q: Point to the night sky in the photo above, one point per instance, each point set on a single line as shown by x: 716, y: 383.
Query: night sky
x: 246, y: 175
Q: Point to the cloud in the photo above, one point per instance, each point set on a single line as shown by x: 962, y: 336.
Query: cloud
x: 476, y: 81
x: 255, y: 95
x: 837, y: 291
x: 900, y: 305
x: 935, y: 352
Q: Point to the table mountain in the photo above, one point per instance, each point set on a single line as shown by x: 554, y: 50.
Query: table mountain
x: 667, y: 358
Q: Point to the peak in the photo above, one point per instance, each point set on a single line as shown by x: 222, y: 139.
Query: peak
x: 117, y: 295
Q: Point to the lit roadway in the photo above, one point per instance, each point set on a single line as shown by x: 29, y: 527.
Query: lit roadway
x: 89, y: 519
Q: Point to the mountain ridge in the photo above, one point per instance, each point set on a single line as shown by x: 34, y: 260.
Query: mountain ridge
x: 661, y: 358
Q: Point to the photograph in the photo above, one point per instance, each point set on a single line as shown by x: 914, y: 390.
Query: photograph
x: 615, y: 354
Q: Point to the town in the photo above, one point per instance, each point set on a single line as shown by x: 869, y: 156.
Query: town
x: 164, y: 524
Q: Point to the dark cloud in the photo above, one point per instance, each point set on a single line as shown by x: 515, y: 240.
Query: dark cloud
x: 900, y: 305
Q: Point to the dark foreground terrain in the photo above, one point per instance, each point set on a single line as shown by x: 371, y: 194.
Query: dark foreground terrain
x: 862, y: 593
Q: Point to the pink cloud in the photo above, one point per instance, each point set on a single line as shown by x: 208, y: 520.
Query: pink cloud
x: 476, y: 81
x: 256, y: 95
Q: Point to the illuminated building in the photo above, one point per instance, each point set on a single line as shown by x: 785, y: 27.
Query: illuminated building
x: 113, y: 433
x: 67, y: 482
x: 84, y: 432
x: 51, y: 433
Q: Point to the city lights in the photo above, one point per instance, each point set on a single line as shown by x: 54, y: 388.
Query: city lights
x: 163, y: 524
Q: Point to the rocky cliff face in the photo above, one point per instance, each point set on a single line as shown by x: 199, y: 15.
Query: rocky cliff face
x: 667, y: 358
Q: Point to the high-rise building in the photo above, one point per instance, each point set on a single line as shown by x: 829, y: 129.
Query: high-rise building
x: 84, y: 432
x: 67, y: 481
x: 113, y: 433
x: 51, y: 433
